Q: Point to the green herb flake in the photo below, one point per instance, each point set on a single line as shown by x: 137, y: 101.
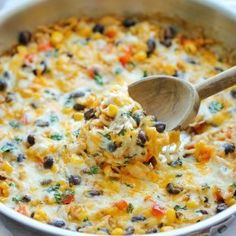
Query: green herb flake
x: 56, y: 137
x: 130, y: 208
x: 178, y: 207
x: 215, y: 107
x: 98, y: 79
x: 118, y: 71
x: 14, y: 124
x: 233, y: 185
x: 93, y: 170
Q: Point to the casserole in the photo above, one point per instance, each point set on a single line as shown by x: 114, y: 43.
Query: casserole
x: 11, y: 36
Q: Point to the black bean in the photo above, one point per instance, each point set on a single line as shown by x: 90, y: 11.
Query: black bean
x: 166, y: 42
x: 111, y: 147
x: 204, y: 212
x: 26, y: 198
x: 74, y: 180
x: 152, y: 231
x: 46, y: 182
x: 151, y: 46
x: 233, y: 93
x: 191, y: 61
x: 175, y: 163
x: 173, y: 189
x: 160, y: 126
x: 138, y: 218
x: 48, y: 162
x: 229, y: 148
x: 24, y: 37
x: 6, y: 74
x: 20, y: 157
x: 31, y: 140
x: 137, y: 116
x: 129, y: 22
x: 221, y: 207
x: 44, y: 67
x: 98, y: 28
x: 9, y: 97
x: 206, y: 200
x: 2, y: 177
x: 70, y: 55
x: 94, y: 193
x: 3, y: 85
x: 168, y: 34
x: 129, y: 230
x: 142, y: 138
x: 77, y: 94
x: 58, y: 223
x: 89, y: 114
x: 42, y: 123
x: 78, y: 107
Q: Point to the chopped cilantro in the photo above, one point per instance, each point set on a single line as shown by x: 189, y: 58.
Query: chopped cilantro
x: 130, y: 208
x: 16, y: 199
x: 145, y: 73
x: 215, y: 106
x: 54, y: 118
x: 179, y: 175
x: 14, y: 124
x: 76, y: 133
x: 18, y: 139
x: 118, y: 71
x: 58, y: 196
x: 56, y: 137
x: 7, y: 147
x: 53, y: 188
x: 85, y: 219
x: 98, y: 79
x: 93, y: 170
x: 178, y: 207
x: 205, y: 187
x: 233, y: 185
x: 122, y: 131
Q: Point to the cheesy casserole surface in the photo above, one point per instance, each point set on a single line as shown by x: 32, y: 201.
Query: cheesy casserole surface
x: 78, y: 153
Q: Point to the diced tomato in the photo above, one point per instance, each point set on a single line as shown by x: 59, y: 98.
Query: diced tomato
x: 44, y: 47
x: 110, y: 33
x: 122, y: 205
x: 157, y: 210
x: 68, y: 199
x: 124, y: 59
x: 22, y: 209
x: 29, y: 57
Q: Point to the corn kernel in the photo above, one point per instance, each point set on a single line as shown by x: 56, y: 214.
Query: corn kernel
x: 171, y: 217
x: 191, y: 204
x: 166, y: 228
x: 112, y: 110
x: 41, y: 215
x: 190, y: 47
x: 7, y: 167
x: 67, y: 110
x: 4, y: 190
x: 140, y: 56
x: 78, y: 116
x: 22, y: 50
x: 74, y: 159
x: 56, y: 37
x: 117, y: 231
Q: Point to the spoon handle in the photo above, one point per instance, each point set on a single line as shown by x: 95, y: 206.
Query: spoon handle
x: 217, y: 83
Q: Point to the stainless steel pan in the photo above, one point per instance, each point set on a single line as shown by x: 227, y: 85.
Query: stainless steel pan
x: 218, y: 23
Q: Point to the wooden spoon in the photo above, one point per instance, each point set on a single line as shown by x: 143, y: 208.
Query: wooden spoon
x: 175, y: 101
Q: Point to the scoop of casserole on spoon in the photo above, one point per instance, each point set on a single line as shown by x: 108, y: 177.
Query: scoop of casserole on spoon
x: 175, y: 101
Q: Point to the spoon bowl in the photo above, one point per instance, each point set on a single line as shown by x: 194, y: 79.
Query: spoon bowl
x: 175, y: 101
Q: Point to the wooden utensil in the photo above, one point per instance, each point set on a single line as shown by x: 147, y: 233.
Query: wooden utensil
x: 175, y: 101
